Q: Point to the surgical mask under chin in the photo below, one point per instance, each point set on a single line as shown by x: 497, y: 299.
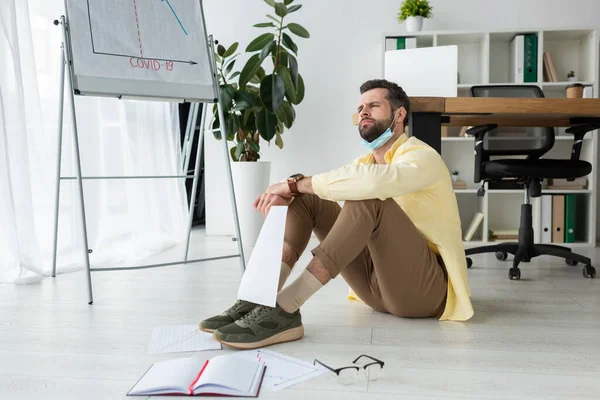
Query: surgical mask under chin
x: 381, y: 140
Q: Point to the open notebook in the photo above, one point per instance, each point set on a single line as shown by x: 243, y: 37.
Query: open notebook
x: 190, y: 376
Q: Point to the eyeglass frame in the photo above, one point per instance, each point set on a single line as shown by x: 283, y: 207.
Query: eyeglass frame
x: 357, y: 367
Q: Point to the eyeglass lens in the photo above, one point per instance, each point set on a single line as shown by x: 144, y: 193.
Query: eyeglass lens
x: 348, y: 376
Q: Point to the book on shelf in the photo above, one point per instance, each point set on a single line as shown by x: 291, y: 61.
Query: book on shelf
x: 225, y: 375
x: 564, y: 184
x: 459, y: 185
x: 550, y: 74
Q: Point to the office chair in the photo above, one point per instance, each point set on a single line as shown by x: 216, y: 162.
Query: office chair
x: 529, y: 172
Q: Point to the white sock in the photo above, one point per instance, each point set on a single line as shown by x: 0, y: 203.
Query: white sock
x: 295, y: 294
x: 284, y: 273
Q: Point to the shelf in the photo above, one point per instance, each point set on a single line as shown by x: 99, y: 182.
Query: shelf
x: 544, y: 191
x: 462, y: 191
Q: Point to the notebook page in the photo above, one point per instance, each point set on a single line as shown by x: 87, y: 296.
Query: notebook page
x: 170, y: 374
x: 229, y: 372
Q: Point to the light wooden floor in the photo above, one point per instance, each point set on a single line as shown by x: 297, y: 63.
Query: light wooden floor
x: 537, y: 338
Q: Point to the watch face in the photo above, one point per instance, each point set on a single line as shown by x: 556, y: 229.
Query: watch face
x: 296, y: 176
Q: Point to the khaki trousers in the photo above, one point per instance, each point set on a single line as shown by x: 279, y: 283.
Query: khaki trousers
x: 376, y: 248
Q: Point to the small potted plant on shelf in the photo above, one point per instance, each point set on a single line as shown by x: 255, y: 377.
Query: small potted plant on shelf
x: 454, y: 176
x: 413, y: 12
x: 571, y: 76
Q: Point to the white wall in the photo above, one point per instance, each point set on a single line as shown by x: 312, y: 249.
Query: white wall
x: 345, y: 49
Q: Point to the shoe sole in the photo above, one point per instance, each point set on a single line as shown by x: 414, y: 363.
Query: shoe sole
x: 203, y: 329
x: 286, y: 336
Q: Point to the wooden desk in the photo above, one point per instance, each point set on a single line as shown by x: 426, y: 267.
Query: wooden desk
x: 428, y: 114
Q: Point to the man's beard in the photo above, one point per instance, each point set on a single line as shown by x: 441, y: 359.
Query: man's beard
x: 373, y: 130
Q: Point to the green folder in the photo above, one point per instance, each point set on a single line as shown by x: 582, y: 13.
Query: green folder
x: 530, y: 59
x: 570, y: 218
x: 400, y: 43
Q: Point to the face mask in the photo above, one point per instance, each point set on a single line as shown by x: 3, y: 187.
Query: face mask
x: 381, y: 140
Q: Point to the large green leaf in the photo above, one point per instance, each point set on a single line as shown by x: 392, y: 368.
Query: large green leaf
x: 231, y: 50
x: 272, y: 91
x: 293, y: 65
x: 260, y: 42
x: 273, y: 18
x: 283, y: 57
x: 270, y: 2
x: 266, y: 124
x: 236, y: 73
x: 249, y: 70
x: 287, y: 2
x: 229, y: 67
x: 289, y: 43
x: 290, y: 89
x: 231, y: 125
x: 267, y: 49
x: 253, y: 145
x: 221, y: 50
x: 232, y: 152
x: 264, y: 25
x: 300, y: 90
x: 281, y: 9
x: 227, y: 92
x: 259, y: 76
x: 294, y: 8
x: 279, y: 140
x: 286, y: 114
x: 239, y: 149
x: 243, y: 100
x: 299, y: 30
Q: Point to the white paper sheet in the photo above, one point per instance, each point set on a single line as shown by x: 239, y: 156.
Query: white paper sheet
x: 174, y: 339
x: 261, y: 278
x: 282, y: 371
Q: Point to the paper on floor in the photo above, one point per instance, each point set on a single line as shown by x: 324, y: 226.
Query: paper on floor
x: 182, y: 338
x: 282, y: 371
x: 261, y: 278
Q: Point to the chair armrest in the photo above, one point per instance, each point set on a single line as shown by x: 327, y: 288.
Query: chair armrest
x: 579, y: 132
x: 480, y: 155
x: 479, y: 131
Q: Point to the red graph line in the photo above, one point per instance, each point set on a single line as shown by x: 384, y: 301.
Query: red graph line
x: 137, y: 21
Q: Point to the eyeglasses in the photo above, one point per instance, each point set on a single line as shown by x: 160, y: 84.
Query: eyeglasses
x: 348, y: 375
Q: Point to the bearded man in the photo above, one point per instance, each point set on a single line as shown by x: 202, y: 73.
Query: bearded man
x: 397, y: 240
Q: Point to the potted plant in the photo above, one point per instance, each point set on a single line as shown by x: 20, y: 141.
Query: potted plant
x: 413, y: 12
x: 258, y: 104
x: 571, y: 76
x: 455, y: 176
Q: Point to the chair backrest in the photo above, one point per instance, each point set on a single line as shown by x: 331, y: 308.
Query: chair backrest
x: 533, y: 142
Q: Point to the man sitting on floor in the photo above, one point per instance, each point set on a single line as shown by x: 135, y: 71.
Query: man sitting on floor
x: 397, y: 240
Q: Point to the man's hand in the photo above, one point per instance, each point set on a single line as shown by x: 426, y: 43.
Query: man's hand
x: 281, y: 190
x: 264, y: 202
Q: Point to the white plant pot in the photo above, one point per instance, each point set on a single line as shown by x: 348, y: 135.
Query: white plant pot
x: 414, y: 24
x: 250, y: 180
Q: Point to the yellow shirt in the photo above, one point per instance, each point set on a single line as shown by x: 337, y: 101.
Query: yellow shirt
x: 416, y: 177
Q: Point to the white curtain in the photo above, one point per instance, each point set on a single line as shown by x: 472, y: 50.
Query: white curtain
x: 127, y: 220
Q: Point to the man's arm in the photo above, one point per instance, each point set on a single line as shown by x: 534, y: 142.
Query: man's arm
x: 305, y: 185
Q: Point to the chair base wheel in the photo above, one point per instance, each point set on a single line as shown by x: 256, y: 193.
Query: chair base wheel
x: 469, y: 262
x: 589, y: 272
x: 570, y: 262
x: 514, y: 274
x: 501, y: 255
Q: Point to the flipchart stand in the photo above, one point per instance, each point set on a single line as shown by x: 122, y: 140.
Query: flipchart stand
x: 67, y: 71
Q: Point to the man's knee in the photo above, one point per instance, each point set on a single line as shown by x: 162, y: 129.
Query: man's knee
x: 370, y: 204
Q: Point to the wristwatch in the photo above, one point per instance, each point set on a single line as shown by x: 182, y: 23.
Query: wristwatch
x: 292, y: 183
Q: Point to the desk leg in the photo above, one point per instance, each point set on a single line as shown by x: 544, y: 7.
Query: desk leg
x: 426, y: 127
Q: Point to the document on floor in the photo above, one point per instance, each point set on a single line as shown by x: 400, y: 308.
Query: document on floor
x: 261, y: 278
x: 282, y: 371
x: 181, y: 338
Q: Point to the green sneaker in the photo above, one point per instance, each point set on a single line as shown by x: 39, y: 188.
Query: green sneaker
x: 233, y: 313
x: 263, y: 326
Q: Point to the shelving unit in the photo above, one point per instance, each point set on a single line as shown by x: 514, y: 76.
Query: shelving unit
x: 485, y: 58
